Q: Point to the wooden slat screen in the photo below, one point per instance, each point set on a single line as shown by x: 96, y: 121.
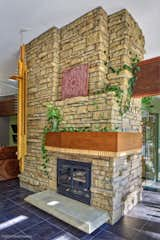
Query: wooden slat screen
x: 22, y: 107
x: 148, y: 82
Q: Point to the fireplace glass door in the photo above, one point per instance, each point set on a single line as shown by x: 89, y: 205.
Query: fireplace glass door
x: 74, y: 179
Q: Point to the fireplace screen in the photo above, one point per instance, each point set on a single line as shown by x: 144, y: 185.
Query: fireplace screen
x: 74, y: 179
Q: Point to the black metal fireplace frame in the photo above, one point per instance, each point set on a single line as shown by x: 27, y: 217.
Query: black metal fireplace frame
x: 61, y: 187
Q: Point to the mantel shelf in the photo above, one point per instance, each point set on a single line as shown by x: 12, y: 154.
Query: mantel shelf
x: 109, y: 144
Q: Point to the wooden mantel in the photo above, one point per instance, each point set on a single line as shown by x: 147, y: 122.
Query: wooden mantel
x: 110, y: 144
x: 148, y: 81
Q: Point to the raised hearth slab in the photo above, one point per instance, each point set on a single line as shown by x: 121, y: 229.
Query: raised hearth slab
x: 77, y: 214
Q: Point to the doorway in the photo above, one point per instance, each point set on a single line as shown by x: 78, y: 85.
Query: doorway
x: 151, y: 163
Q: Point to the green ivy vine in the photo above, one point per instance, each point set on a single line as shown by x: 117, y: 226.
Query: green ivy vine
x: 147, y: 104
x: 53, y: 120
x: 124, y: 106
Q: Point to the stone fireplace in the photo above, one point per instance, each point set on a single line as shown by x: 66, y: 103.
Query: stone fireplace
x: 87, y: 46
x: 115, y: 181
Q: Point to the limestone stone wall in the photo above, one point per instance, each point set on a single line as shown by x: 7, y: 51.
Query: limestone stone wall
x: 86, y: 41
x: 101, y: 41
x: 42, y: 62
x: 127, y: 183
x: 92, y: 112
x: 125, y: 42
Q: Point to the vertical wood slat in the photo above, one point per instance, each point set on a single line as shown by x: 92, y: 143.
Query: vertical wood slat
x: 148, y: 79
x: 22, y: 108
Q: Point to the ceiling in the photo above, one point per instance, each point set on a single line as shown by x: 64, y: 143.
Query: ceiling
x: 39, y: 15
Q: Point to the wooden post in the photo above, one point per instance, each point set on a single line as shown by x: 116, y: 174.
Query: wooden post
x: 22, y: 107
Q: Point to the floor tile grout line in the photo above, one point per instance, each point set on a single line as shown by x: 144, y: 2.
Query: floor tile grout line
x: 36, y: 214
x: 12, y: 197
x: 96, y: 235
x: 23, y: 231
x: 27, y: 228
x: 62, y: 232
x: 17, y: 204
x: 55, y: 225
x: 114, y: 233
x: 30, y: 212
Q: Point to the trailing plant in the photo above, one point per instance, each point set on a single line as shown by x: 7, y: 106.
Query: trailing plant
x: 106, y: 129
x: 53, y: 120
x: 87, y: 129
x: 133, y: 69
x: 124, y: 103
x: 147, y: 103
x: 74, y: 129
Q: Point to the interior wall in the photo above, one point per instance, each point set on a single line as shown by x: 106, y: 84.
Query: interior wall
x: 4, y: 131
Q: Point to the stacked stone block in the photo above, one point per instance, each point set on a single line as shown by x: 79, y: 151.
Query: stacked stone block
x: 86, y: 41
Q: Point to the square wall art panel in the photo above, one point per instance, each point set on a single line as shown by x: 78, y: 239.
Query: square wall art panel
x: 75, y: 82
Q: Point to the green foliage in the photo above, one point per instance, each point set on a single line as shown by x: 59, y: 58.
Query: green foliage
x: 106, y: 129
x: 147, y: 103
x: 53, y: 120
x: 73, y: 129
x: 44, y: 151
x: 111, y: 88
x: 134, y: 69
x: 124, y: 106
x: 116, y: 89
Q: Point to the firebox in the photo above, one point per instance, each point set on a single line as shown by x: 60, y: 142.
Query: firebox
x: 74, y: 180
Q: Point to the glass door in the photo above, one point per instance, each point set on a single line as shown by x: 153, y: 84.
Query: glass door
x: 150, y: 146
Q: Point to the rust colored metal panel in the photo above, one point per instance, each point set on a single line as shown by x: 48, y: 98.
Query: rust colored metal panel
x: 75, y: 82
x: 148, y: 81
x: 99, y: 141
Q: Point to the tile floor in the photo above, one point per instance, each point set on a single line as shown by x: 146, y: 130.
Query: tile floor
x: 19, y: 220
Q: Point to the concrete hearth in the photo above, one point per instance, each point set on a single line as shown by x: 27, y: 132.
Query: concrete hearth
x: 79, y: 215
